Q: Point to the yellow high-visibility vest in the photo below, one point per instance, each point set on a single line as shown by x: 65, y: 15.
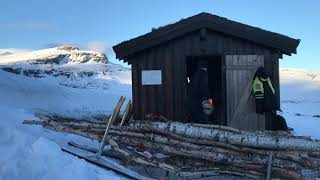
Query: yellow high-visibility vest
x: 258, y: 85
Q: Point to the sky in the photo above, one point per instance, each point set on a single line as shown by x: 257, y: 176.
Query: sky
x: 100, y: 24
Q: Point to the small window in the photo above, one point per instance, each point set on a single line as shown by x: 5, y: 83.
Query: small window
x: 151, y: 77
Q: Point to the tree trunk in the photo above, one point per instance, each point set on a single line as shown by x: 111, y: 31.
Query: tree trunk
x: 247, y: 139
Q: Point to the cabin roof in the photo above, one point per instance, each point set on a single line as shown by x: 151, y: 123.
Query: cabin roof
x: 282, y: 43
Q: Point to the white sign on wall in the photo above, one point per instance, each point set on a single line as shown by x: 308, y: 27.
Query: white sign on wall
x: 151, y: 77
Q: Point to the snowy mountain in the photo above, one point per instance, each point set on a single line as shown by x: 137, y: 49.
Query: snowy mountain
x: 83, y: 84
x: 63, y: 62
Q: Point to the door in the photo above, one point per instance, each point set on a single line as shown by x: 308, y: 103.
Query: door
x: 240, y: 107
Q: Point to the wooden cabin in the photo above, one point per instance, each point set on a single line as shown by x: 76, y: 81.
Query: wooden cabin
x: 162, y: 60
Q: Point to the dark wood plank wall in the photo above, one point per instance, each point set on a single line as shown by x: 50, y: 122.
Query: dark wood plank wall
x: 154, y: 99
x: 168, y: 81
x: 135, y: 91
x: 276, y: 77
x: 169, y: 98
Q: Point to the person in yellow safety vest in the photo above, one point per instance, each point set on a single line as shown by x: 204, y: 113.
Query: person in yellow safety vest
x: 264, y: 92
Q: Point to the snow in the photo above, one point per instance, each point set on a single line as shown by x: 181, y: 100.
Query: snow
x: 84, y: 88
x: 95, y: 94
x: 31, y: 156
x: 74, y: 55
x: 31, y: 152
x: 300, y: 100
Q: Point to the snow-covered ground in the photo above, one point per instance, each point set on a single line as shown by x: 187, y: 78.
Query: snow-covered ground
x: 300, y: 100
x: 77, y: 83
x: 77, y: 86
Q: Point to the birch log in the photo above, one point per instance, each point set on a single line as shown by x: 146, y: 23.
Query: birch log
x: 193, y: 144
x: 248, y: 139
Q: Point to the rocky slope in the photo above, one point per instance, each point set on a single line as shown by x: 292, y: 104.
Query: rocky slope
x: 50, y: 61
x: 69, y: 64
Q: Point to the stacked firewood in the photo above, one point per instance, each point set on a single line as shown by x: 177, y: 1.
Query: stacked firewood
x: 194, y: 148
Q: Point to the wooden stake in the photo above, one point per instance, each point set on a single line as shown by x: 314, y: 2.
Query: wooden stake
x: 130, y: 113
x: 269, y: 166
x: 125, y: 113
x: 112, y: 118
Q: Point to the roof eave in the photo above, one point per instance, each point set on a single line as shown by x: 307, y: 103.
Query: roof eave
x: 283, y: 43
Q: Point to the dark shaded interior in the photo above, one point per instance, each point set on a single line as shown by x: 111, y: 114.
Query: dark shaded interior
x: 213, y: 66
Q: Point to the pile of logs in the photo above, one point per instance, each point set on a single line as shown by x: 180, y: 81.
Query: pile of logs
x: 194, y: 148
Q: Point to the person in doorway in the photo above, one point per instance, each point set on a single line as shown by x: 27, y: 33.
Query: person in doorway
x: 199, y: 104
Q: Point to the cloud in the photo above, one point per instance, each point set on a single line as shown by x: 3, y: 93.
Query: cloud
x: 9, y: 51
x: 98, y: 46
x: 27, y: 26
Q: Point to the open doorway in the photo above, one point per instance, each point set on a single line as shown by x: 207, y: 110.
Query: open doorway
x: 205, y: 99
